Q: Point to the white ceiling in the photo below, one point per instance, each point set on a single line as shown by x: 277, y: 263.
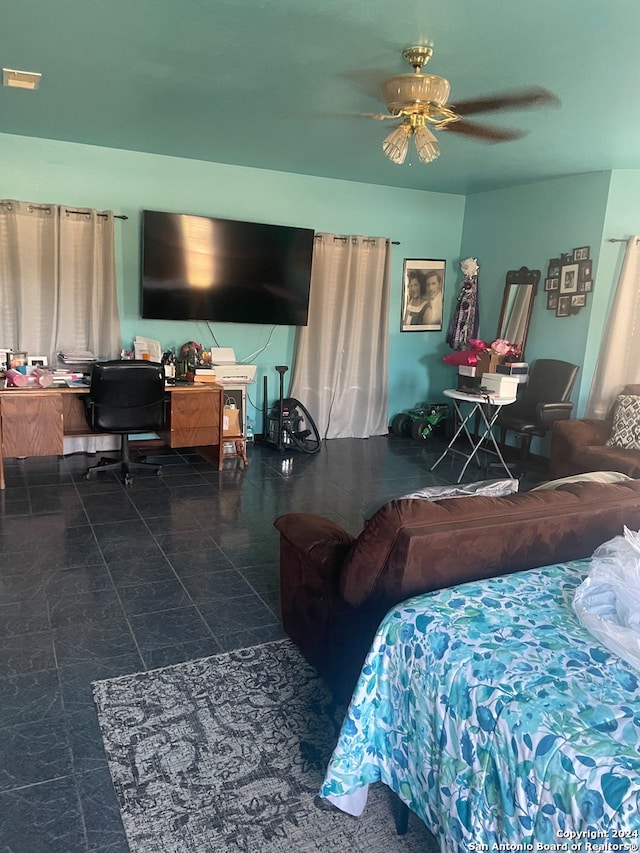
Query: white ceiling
x: 279, y: 84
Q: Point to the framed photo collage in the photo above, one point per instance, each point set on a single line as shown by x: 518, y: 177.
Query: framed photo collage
x: 569, y: 281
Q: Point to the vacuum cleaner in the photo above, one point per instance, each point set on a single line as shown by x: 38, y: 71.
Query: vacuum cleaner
x: 287, y: 425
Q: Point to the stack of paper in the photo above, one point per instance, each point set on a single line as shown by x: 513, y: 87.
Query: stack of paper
x: 77, y: 357
x: 147, y: 348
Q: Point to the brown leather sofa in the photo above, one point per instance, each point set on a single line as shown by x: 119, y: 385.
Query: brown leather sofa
x: 335, y: 588
x: 578, y: 446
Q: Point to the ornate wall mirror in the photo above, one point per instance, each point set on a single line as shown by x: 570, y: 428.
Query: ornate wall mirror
x: 519, y: 292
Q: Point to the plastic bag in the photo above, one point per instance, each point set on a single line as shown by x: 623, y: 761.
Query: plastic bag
x: 607, y: 602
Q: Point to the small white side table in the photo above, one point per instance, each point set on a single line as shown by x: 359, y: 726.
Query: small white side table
x: 488, y: 407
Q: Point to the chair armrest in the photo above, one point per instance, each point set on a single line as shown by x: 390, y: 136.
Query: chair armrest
x: 548, y: 413
x: 87, y: 407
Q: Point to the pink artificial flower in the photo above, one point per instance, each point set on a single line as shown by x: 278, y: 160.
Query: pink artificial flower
x: 502, y: 347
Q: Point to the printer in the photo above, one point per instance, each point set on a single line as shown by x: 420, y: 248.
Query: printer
x: 228, y: 370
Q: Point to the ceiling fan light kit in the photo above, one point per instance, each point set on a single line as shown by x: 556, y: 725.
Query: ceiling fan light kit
x: 396, y: 144
x: 426, y: 144
x: 419, y: 100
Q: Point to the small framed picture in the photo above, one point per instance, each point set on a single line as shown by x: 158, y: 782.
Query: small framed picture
x: 581, y: 254
x: 563, y: 308
x: 569, y: 278
x: 37, y: 361
x: 422, y: 295
x: 551, y: 283
x: 552, y: 301
x: 578, y: 301
x: 554, y: 268
x: 17, y: 359
x: 585, y: 270
x: 586, y: 286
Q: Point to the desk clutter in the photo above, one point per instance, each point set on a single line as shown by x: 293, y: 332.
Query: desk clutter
x: 191, y: 360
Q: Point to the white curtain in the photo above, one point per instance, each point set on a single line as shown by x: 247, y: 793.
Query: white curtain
x: 57, y: 280
x: 340, y: 364
x: 619, y: 358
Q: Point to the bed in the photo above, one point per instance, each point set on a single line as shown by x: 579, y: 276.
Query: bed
x: 498, y: 719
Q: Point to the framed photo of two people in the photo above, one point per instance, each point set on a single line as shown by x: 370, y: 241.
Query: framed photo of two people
x: 422, y: 295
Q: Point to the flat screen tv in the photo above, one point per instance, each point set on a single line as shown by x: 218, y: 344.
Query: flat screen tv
x: 222, y: 270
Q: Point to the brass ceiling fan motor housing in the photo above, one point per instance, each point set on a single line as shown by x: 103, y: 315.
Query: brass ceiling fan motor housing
x: 418, y: 93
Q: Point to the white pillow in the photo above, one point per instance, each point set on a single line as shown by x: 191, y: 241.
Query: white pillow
x: 490, y: 488
x: 590, y: 477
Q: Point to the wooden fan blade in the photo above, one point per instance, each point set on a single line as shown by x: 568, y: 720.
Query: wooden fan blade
x: 521, y: 99
x: 483, y: 133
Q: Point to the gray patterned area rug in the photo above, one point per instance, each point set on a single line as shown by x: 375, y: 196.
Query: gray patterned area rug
x: 228, y: 753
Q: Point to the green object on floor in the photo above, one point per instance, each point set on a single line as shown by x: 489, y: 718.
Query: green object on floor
x: 419, y: 421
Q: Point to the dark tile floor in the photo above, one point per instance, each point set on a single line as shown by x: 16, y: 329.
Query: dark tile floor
x: 98, y: 580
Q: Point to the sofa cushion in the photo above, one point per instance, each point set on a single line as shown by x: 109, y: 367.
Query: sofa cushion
x: 413, y: 546
x: 591, y: 477
x: 625, y: 432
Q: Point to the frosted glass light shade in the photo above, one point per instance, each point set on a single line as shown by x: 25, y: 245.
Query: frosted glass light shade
x: 396, y: 144
x: 407, y: 89
x: 426, y: 145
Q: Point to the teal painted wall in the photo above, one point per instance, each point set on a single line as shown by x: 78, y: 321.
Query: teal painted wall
x: 527, y: 226
x: 428, y: 225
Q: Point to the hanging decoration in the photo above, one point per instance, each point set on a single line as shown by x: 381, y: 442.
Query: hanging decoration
x: 569, y: 280
x: 466, y: 316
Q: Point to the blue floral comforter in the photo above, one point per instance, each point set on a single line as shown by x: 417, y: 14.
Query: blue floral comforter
x: 498, y: 719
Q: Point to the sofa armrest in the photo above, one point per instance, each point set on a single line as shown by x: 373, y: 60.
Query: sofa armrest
x: 312, y: 553
x: 583, y: 433
x: 549, y: 413
x: 569, y: 438
x: 314, y: 537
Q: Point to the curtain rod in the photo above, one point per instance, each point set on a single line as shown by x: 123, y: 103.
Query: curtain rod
x: 621, y: 240
x: 343, y: 238
x: 70, y: 209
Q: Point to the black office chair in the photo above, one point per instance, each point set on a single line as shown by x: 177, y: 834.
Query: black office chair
x: 545, y: 399
x: 125, y: 397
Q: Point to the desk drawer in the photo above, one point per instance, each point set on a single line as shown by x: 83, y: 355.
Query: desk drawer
x: 191, y: 436
x: 32, y: 424
x: 194, y: 418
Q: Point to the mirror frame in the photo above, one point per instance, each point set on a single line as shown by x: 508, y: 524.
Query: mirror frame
x: 517, y: 278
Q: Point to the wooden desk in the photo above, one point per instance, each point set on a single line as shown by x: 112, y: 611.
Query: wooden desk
x: 35, y: 421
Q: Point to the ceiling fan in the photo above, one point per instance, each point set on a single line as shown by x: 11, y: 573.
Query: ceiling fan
x: 419, y: 100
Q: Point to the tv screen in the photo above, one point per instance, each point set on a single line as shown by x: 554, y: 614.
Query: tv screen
x: 203, y: 268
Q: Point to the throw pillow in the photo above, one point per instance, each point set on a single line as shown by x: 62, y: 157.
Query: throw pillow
x: 490, y: 488
x: 626, y: 423
x: 591, y: 477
